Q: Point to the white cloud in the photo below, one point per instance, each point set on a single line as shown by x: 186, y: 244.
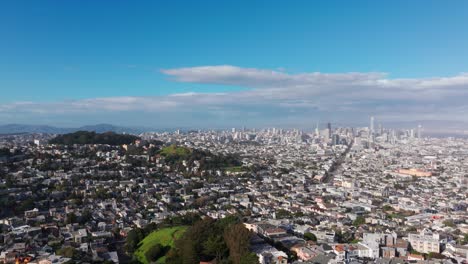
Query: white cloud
x: 251, y: 77
x: 274, y: 95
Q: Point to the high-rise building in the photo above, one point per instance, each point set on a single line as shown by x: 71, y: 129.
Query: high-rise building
x: 329, y: 130
x: 372, y: 125
x: 419, y: 131
x: 335, y: 139
x: 393, y: 137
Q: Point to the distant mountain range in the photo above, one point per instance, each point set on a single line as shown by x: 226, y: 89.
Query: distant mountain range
x: 429, y: 128
x: 100, y: 128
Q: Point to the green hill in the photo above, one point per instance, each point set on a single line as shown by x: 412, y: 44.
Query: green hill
x: 174, y: 150
x: 164, y: 237
x: 208, y: 161
x: 85, y: 137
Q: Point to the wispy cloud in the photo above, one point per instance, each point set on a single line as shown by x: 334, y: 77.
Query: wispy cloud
x: 275, y: 95
x: 353, y: 84
x: 251, y: 77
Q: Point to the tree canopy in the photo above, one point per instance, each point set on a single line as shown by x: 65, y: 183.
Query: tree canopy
x: 224, y: 240
x: 86, y: 137
x: 310, y: 236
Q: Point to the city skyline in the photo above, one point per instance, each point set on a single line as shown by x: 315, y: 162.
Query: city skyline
x: 340, y: 195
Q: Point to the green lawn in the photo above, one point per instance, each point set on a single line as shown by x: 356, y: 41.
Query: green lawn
x: 175, y: 150
x: 164, y: 237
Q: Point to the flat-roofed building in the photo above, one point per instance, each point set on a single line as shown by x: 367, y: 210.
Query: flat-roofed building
x: 425, y: 242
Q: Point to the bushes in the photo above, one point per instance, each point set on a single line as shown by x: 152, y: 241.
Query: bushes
x: 133, y: 238
x: 68, y: 252
x: 360, y: 220
x: 309, y: 236
x: 156, y: 252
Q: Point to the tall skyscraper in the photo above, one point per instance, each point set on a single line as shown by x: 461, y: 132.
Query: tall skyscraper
x: 329, y: 130
x: 372, y: 125
x: 419, y: 131
x: 335, y: 139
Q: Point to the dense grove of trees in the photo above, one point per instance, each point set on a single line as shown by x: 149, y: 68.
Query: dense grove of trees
x: 86, y: 137
x: 226, y: 240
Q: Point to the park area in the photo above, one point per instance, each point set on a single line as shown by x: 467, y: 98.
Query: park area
x: 157, y: 244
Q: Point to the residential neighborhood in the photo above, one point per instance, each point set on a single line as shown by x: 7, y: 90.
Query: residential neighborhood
x: 344, y: 195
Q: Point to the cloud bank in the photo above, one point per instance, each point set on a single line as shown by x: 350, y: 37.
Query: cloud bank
x: 277, y: 98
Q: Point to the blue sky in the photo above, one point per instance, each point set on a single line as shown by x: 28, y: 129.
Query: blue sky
x: 56, y: 52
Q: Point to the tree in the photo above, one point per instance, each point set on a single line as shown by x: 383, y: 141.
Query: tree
x: 71, y: 218
x: 249, y: 258
x: 237, y: 238
x: 387, y: 207
x: 150, y: 228
x: 27, y: 204
x: 155, y: 252
x: 449, y: 223
x: 227, y: 221
x: 187, y: 253
x: 465, y: 238
x: 85, y: 216
x: 345, y: 237
x: 133, y: 238
x: 85, y: 137
x: 309, y: 236
x: 435, y: 255
x: 9, y: 181
x: 281, y: 213
x: 360, y: 220
x: 67, y: 252
x: 191, y: 246
x: 215, y: 246
x: 226, y: 240
x: 200, y: 232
